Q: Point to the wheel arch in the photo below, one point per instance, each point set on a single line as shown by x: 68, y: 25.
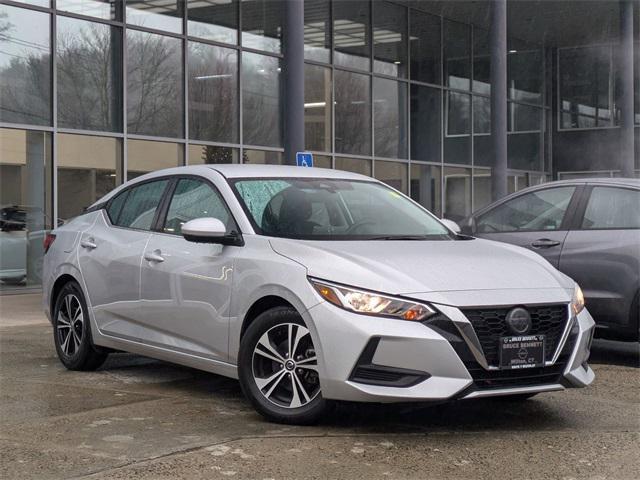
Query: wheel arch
x: 260, y: 306
x: 57, y: 286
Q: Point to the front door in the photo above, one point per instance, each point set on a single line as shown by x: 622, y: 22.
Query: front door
x: 535, y: 220
x: 186, y: 286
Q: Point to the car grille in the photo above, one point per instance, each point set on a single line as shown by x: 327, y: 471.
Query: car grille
x: 490, y: 324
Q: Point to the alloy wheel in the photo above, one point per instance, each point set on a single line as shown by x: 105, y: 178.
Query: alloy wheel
x: 70, y: 324
x: 285, y: 366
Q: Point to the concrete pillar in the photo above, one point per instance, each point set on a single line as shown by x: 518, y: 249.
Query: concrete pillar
x: 498, y: 49
x: 293, y: 80
x: 625, y: 68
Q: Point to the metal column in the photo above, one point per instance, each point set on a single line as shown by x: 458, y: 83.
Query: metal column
x: 498, y: 48
x: 625, y: 65
x: 293, y: 80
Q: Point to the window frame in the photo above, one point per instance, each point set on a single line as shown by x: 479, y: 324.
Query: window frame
x: 568, y: 219
x: 581, y: 209
x: 127, y: 191
x: 165, y: 204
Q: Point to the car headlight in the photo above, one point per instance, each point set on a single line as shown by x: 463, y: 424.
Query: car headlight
x: 577, y: 302
x: 371, y: 303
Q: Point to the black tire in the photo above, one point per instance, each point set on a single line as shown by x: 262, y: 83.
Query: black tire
x: 72, y: 339
x: 271, y: 321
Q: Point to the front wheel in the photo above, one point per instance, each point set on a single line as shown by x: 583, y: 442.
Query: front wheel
x: 278, y: 368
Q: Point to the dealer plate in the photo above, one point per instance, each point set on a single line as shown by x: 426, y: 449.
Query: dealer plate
x: 521, y: 352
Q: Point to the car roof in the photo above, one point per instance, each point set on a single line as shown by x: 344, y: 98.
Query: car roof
x: 231, y: 170
x: 630, y: 182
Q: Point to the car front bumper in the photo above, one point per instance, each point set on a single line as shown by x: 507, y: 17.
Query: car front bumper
x: 429, y: 358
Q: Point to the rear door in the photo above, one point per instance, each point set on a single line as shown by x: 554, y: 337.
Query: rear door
x: 186, y: 286
x: 537, y: 220
x: 110, y: 253
x: 602, y: 251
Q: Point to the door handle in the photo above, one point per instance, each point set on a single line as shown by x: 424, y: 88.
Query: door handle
x: 154, y: 256
x: 89, y: 243
x: 544, y: 243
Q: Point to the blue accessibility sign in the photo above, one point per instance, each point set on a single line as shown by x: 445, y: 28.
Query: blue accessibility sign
x: 304, y: 159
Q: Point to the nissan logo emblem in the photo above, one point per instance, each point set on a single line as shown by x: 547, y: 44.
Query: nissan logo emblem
x: 519, y: 321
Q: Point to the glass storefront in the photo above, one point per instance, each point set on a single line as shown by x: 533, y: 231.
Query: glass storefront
x: 391, y: 90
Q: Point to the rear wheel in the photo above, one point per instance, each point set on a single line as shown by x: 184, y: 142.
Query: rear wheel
x: 278, y: 368
x: 72, y: 331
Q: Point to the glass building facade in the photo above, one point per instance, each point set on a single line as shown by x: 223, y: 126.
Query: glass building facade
x: 96, y: 92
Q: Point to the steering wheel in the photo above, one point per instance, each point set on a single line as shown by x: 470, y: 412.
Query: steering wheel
x: 359, y: 224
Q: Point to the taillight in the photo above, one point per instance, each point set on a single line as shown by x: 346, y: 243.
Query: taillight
x: 48, y: 241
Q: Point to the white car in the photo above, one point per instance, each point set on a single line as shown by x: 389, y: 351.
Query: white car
x: 309, y: 285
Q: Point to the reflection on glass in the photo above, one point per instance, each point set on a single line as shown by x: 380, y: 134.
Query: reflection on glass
x: 144, y: 156
x: 213, y: 93
x: 262, y: 157
x: 481, y: 115
x: 317, y: 108
x: 481, y: 61
x: 317, y: 28
x: 390, y: 118
x: 457, y: 193
x: 356, y: 165
x: 89, y: 75
x: 208, y: 154
x: 585, y: 99
x: 322, y: 161
x: 215, y: 20
x: 88, y: 169
x: 107, y: 9
x: 524, y: 151
x: 482, y: 150
x: 457, y: 58
x: 352, y: 113
x: 426, y: 187
x: 481, y: 187
x: 426, y: 105
x: 456, y: 142
x: 38, y: 3
x: 351, y: 38
x: 393, y: 174
x: 25, y: 208
x: 262, y: 22
x: 524, y: 72
x: 425, y: 47
x: 25, y: 66
x: 154, y: 84
x: 262, y: 119
x: 523, y: 118
x: 389, y: 39
x: 161, y: 15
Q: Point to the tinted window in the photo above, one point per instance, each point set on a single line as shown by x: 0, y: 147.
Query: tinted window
x: 611, y: 208
x: 195, y: 199
x: 141, y: 204
x: 541, y: 210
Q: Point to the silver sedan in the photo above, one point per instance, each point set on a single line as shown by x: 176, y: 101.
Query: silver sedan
x: 309, y: 285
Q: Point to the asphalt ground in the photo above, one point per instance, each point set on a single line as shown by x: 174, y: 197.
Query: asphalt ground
x: 140, y: 418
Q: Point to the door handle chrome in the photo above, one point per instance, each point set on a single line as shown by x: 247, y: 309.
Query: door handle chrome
x: 545, y: 243
x: 89, y: 244
x: 154, y: 256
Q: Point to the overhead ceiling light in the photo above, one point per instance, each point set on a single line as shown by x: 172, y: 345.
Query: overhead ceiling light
x: 397, y: 62
x: 513, y: 51
x: 315, y: 104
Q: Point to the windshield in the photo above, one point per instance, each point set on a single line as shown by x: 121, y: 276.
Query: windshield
x: 327, y: 209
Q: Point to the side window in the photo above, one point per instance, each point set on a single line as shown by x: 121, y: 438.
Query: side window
x: 141, y: 205
x: 540, y: 210
x: 194, y: 198
x: 611, y: 208
x: 116, y: 205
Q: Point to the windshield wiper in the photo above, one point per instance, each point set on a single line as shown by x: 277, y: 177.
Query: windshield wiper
x: 399, y: 237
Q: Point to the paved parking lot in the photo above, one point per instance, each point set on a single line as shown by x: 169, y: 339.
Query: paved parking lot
x: 140, y: 418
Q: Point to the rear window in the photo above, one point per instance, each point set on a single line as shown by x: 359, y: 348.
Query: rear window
x: 139, y: 205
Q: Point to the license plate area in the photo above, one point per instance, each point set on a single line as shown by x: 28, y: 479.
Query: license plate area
x: 521, y: 352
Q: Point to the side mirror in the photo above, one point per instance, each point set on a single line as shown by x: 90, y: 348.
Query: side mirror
x: 451, y: 225
x: 210, y: 230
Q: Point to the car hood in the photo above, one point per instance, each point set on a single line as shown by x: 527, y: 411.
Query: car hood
x: 408, y: 267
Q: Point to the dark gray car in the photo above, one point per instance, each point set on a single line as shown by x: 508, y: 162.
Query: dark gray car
x: 590, y: 230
